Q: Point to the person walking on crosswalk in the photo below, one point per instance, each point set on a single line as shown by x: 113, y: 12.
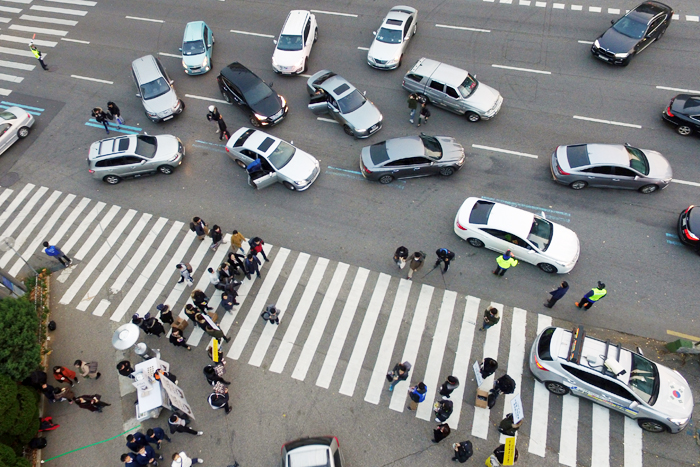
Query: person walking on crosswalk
x: 55, y: 252
x: 491, y: 318
x: 417, y: 395
x: 505, y: 262
x: 441, y: 432
x: 237, y: 240
x: 185, y: 273
x: 38, y: 55
x: 508, y: 427
x: 166, y: 314
x: 199, y: 227
x: 557, y: 294
x: 398, y: 373
x: 178, y: 341
x: 216, y: 237
x: 593, y: 295
x: 417, y: 261
x: 252, y: 264
x: 448, y: 386
x: 200, y: 300
x: 256, y: 247
x: 445, y: 256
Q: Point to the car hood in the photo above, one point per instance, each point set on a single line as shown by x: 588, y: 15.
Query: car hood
x: 268, y: 106
x: 300, y: 167
x: 452, y: 151
x: 383, y: 51
x: 194, y: 60
x: 658, y: 165
x: 564, y: 246
x: 167, y: 147
x: 161, y: 103
x: 364, y: 117
x: 675, y: 399
x: 615, y: 42
x: 288, y: 57
x: 484, y: 97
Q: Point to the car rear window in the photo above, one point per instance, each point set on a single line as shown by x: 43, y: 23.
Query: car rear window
x: 414, y: 77
x: 545, y: 344
x: 378, y: 154
x: 243, y: 138
x: 309, y: 458
x: 480, y: 212
x: 577, y: 155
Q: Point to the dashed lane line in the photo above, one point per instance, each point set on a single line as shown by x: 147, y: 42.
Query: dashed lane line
x: 586, y: 42
x: 169, y: 55
x: 247, y: 33
x: 684, y: 182
x: 609, y: 122
x: 96, y: 80
x: 334, y: 13
x: 528, y: 70
x: 689, y: 91
x: 204, y: 98
x: 505, y: 151
x: 363, y: 48
x: 74, y: 40
x: 74, y: 2
x: 145, y: 19
x: 461, y: 28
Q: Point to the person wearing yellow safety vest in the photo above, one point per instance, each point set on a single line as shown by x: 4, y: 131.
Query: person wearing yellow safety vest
x: 593, y: 295
x: 38, y: 55
x: 504, y: 262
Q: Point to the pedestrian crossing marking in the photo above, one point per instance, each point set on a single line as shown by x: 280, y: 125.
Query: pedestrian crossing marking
x: 569, y: 430
x: 74, y: 2
x: 15, y: 65
x: 78, y: 232
x: 19, y: 219
x: 540, y: 405
x: 11, y: 78
x: 34, y: 29
x: 5, y: 20
x: 632, y: 443
x: 8, y: 9
x: 480, y: 426
x: 600, y: 442
x: 101, y: 307
x: 516, y: 358
x: 43, y: 19
x: 97, y: 232
x: 25, y: 107
x: 63, y: 11
x: 25, y: 40
x: 26, y: 2
x: 68, y: 223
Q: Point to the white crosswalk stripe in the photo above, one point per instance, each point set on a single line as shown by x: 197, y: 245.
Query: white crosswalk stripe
x: 63, y: 11
x: 43, y: 19
x: 125, y: 264
x: 38, y: 30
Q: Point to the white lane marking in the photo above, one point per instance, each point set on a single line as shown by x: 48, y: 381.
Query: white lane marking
x: 342, y: 329
x: 68, y: 223
x: 504, y: 151
x: 386, y: 348
x: 87, y: 78
x: 203, y: 98
x: 305, y: 76
x: 369, y: 321
x: 529, y: 70
x: 16, y: 202
x: 82, y: 228
x: 516, y: 357
x: 329, y: 120
x: 586, y: 42
x: 21, y: 52
x: 524, y: 3
x: 410, y: 351
x: 632, y: 443
x: 25, y: 41
x: 692, y: 18
x: 97, y: 232
x: 73, y: 40
x: 63, y: 11
x: 609, y: 122
x: 506, y: 1
x: 480, y: 424
x: 363, y: 48
x: 11, y: 78
x: 461, y: 28
x: 558, y: 6
x: 5, y: 92
x: 16, y: 65
x: 74, y: 2
x: 690, y: 91
x: 5, y: 194
x: 26, y: 2
x: 541, y: 4
x: 540, y: 405
x: 43, y: 19
x: 335, y: 13
x: 145, y: 19
x: 569, y: 431
x: 683, y: 182
x: 317, y: 329
x: 577, y: 7
x: 101, y: 307
x: 252, y: 34
x: 290, y: 336
x: 594, y: 9
x: 676, y: 16
x: 169, y: 55
x: 600, y: 438
x: 614, y: 11
x: 34, y: 29
x: 9, y: 9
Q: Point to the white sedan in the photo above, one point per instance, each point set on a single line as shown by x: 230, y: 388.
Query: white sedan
x: 14, y: 124
x: 531, y: 238
x: 392, y: 38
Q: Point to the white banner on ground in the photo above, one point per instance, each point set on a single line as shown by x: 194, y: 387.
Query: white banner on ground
x: 477, y: 375
x: 176, y: 396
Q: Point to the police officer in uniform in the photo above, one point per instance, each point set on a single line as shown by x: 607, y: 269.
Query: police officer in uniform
x: 37, y: 54
x: 593, y: 295
x: 505, y: 262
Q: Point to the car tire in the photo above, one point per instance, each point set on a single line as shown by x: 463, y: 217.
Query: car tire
x: 683, y: 130
x: 447, y: 171
x: 111, y: 179
x: 240, y: 163
x: 556, y: 388
x: 651, y: 426
x: 182, y: 109
x: 254, y: 121
x: 315, y: 35
x: 475, y: 242
x: 213, y: 39
x: 415, y: 29
x: 165, y: 170
x: 548, y: 268
x: 289, y: 186
x: 646, y: 189
x: 472, y: 117
x: 627, y: 61
x: 227, y: 98
x: 23, y: 132
x: 386, y: 179
x: 348, y: 131
x: 578, y: 185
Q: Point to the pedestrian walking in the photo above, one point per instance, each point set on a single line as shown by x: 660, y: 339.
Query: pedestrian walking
x: 271, y: 314
x: 214, y: 279
x: 64, y: 375
x: 441, y: 432
x: 505, y: 384
x: 49, y: 392
x: 450, y: 384
x: 65, y: 394
x: 147, y: 456
x: 417, y: 261
x: 87, y: 369
x: 557, y: 294
x: 178, y: 424
x: 235, y: 263
x: 215, y: 331
x: 157, y: 435
x: 445, y: 256
x: 214, y: 116
x: 412, y: 105
x: 593, y: 295
x: 214, y: 375
x: 218, y: 400
x: 443, y: 410
x: 181, y: 460
x: 38, y: 55
x: 55, y: 252
x: 129, y: 460
x: 488, y: 367
x: 424, y: 113
x: 114, y: 112
x: 135, y: 441
x: 125, y: 369
x: 400, y: 256
x: 190, y: 312
x: 216, y: 237
x: 508, y: 427
x: 199, y: 227
x: 185, y: 270
x: 463, y: 451
x: 177, y: 340
x: 223, y: 131
x: 256, y: 247
x: 417, y: 395
x: 101, y: 117
x: 166, y: 314
x: 398, y: 373
x: 505, y: 262
x: 237, y: 240
x: 496, y: 459
x: 491, y: 318
x: 224, y: 273
x: 199, y: 321
x: 252, y: 265
x: 227, y: 302
x: 91, y: 403
x: 200, y: 300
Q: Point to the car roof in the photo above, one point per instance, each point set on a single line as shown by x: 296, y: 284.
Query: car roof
x: 337, y: 86
x: 240, y: 75
x: 193, y: 31
x: 647, y: 11
x: 146, y: 69
x: 407, y: 146
x: 110, y: 146
x: 257, y: 138
x: 608, y: 154
x: 442, y: 72
x: 510, y: 219
x: 295, y: 22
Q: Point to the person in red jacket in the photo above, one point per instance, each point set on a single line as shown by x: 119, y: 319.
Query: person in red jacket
x: 64, y: 375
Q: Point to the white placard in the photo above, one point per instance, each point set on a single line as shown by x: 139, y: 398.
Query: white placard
x: 477, y: 375
x: 176, y: 396
x: 517, y: 406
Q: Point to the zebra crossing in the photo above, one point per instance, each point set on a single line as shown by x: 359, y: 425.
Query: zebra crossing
x: 42, y: 20
x: 342, y: 326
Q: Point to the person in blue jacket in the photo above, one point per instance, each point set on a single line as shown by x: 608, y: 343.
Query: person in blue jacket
x: 557, y: 294
x: 54, y: 251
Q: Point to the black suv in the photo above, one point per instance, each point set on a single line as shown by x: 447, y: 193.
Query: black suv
x: 254, y: 96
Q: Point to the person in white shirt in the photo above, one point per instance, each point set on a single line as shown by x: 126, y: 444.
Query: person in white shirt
x: 181, y: 460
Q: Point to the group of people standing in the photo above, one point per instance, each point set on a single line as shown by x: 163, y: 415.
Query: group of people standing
x: 418, y: 103
x: 62, y: 374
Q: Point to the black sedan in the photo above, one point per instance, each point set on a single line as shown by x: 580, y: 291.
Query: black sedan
x: 633, y: 33
x: 689, y: 227
x: 684, y: 112
x: 254, y: 96
x: 410, y: 157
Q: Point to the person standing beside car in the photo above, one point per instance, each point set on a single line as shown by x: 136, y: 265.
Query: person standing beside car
x: 214, y: 116
x: 114, y: 112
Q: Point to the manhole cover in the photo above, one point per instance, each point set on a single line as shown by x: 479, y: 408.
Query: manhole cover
x: 9, y: 179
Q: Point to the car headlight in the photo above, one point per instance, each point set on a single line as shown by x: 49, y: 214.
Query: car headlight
x: 151, y: 114
x: 284, y: 101
x: 622, y: 55
x: 596, y: 44
x: 205, y: 61
x: 301, y: 183
x: 679, y: 421
x: 260, y: 117
x: 177, y: 105
x: 183, y: 64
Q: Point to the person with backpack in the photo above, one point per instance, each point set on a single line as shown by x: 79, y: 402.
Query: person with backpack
x: 271, y: 314
x: 508, y: 427
x: 199, y: 227
x: 185, y: 274
x: 417, y: 261
x: 400, y: 256
x: 445, y: 256
x: 398, y: 373
x: 417, y: 395
x: 212, y: 375
x: 443, y: 410
x: 87, y: 369
x: 496, y: 459
x: 463, y: 451
x: 256, y: 247
x: 216, y: 237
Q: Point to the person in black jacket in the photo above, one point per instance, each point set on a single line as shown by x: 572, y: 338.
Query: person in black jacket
x: 424, y: 113
x: 190, y: 311
x: 113, y: 112
x: 463, y: 451
x: 441, y: 432
x: 557, y: 294
x: 125, y: 369
x: 178, y: 424
x: 214, y: 116
x: 400, y: 256
x: 216, y: 236
x: 200, y: 300
x: 177, y: 340
x: 220, y: 401
x: 152, y: 326
x: 488, y: 367
x: 448, y: 386
x: 443, y: 410
x: 212, y: 376
x: 166, y: 314
x: 445, y: 256
x: 252, y: 264
x: 398, y: 373
x: 101, y: 117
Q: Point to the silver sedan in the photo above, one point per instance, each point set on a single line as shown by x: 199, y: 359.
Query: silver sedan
x: 392, y: 38
x: 14, y: 124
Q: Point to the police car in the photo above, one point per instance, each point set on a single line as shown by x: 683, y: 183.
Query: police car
x: 569, y: 362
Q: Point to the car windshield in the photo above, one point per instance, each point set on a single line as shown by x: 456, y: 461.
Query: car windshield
x: 638, y: 161
x: 630, y: 28
x: 288, y: 42
x: 351, y: 102
x: 154, y: 88
x: 7, y: 116
x: 390, y: 36
x: 468, y: 86
x: 433, y: 150
x: 282, y: 154
x: 540, y: 233
x: 193, y: 48
x: 146, y: 146
x: 644, y: 379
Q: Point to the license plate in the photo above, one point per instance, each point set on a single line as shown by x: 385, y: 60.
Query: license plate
x: 603, y: 58
x: 168, y: 118
x: 373, y: 127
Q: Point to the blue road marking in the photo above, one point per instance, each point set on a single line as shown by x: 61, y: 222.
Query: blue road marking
x: 673, y: 242
x: 112, y: 130
x: 537, y: 208
x: 211, y: 144
x: 346, y: 170
x: 28, y: 111
x: 12, y: 104
x: 114, y: 125
x: 209, y: 147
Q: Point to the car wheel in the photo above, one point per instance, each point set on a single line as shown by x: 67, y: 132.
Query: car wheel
x: 289, y: 186
x: 475, y: 242
x: 254, y: 121
x: 348, y: 131
x: 227, y: 98
x: 578, y: 185
x: 23, y: 132
x: 384, y: 179
x: 447, y: 171
x: 627, y: 61
x: 473, y: 117
x: 111, y: 179
x: 548, y: 268
x: 682, y: 130
x: 556, y: 388
x: 646, y: 189
x: 651, y: 425
x: 213, y: 39
x: 415, y: 29
x: 315, y: 35
x: 165, y: 169
x: 240, y: 163
x: 182, y: 109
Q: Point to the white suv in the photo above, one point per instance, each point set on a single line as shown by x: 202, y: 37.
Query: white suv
x: 298, y: 35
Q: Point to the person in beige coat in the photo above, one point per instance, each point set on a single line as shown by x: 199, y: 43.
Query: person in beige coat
x: 237, y: 240
x: 87, y: 369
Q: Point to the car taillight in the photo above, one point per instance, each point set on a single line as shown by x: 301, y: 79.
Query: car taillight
x: 668, y: 112
x: 690, y: 235
x: 561, y: 171
x: 227, y: 149
x: 91, y: 171
x: 537, y: 363
x: 460, y: 226
x: 336, y: 440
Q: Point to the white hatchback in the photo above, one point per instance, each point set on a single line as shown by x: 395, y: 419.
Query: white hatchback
x: 293, y: 47
x: 531, y: 238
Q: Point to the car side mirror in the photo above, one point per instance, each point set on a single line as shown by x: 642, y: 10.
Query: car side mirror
x: 209, y: 45
x: 364, y: 93
x: 180, y: 49
x: 639, y: 351
x: 172, y: 81
x: 142, y: 162
x: 274, y: 41
x: 612, y: 21
x: 145, y: 133
x: 634, y: 405
x: 138, y: 95
x: 374, y: 33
